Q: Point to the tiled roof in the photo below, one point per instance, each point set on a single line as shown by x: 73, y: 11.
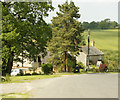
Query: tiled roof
x: 92, y: 51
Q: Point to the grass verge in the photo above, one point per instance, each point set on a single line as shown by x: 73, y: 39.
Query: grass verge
x: 16, y: 95
x: 22, y: 79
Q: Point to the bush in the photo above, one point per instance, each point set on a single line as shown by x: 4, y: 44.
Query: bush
x: 82, y: 70
x: 110, y: 68
x: 94, y: 68
x: 80, y: 64
x: 59, y: 69
x: 47, y: 68
x: 103, y: 68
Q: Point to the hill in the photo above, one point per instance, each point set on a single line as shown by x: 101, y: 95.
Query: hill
x: 104, y: 39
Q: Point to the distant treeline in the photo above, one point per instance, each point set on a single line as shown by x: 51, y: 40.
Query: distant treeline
x: 103, y: 24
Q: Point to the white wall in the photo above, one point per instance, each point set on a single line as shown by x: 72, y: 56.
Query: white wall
x: 81, y: 58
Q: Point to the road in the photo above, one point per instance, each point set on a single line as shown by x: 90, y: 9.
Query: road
x: 77, y: 86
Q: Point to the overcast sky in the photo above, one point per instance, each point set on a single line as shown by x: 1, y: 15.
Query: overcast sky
x: 91, y: 10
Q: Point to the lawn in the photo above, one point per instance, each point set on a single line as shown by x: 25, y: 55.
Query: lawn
x: 22, y: 79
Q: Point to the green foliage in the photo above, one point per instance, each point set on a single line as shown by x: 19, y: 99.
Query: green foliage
x: 112, y: 68
x: 47, y: 68
x: 81, y: 65
x: 111, y: 59
x: 82, y: 70
x: 93, y: 68
x: 66, y: 34
x: 103, y: 24
x: 103, y: 42
x: 24, y: 32
x: 59, y: 70
x: 71, y: 61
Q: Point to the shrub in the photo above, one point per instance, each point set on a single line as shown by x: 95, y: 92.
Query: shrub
x: 103, y: 68
x: 47, y: 68
x: 110, y: 68
x: 82, y: 70
x: 93, y: 68
x: 59, y: 69
x: 80, y: 64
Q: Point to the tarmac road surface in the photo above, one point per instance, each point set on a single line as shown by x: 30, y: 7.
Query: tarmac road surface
x: 77, y: 86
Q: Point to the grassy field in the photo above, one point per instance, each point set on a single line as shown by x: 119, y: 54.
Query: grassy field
x: 104, y: 39
x: 107, y: 42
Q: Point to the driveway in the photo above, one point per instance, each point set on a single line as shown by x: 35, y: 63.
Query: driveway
x: 77, y: 86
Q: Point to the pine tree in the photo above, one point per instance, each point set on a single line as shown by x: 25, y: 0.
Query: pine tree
x: 66, y: 33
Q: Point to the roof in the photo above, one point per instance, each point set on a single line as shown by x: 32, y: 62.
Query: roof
x: 93, y: 50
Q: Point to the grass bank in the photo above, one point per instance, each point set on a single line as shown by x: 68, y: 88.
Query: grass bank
x: 104, y: 39
x: 22, y: 79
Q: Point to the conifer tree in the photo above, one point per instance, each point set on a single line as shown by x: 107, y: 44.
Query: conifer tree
x: 66, y: 33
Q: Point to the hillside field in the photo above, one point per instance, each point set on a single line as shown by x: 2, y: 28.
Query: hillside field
x: 104, y: 39
x: 107, y: 42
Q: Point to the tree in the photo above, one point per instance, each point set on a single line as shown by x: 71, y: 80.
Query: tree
x: 24, y: 32
x: 93, y: 25
x: 85, y: 25
x: 66, y: 33
x: 113, y: 24
x: 104, y: 24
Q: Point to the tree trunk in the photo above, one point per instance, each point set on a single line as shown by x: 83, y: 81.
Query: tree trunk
x: 65, y: 61
x: 3, y: 67
x: 9, y: 65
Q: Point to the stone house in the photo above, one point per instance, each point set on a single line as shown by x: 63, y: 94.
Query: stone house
x: 94, y: 55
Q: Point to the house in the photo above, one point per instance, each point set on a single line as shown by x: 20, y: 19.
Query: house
x: 94, y: 55
x: 27, y: 63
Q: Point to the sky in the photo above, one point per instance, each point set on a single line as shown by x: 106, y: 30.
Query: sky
x: 90, y: 10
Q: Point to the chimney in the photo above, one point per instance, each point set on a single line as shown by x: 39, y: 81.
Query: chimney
x: 92, y: 43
